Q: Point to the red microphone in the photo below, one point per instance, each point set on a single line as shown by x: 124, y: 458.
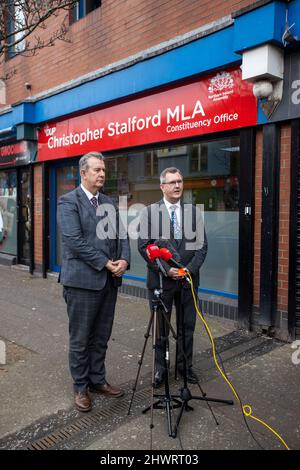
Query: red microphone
x: 167, y: 256
x: 153, y: 254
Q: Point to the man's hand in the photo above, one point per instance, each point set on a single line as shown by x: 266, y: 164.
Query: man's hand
x: 117, y: 267
x: 173, y: 273
x: 121, y: 266
x: 110, y: 265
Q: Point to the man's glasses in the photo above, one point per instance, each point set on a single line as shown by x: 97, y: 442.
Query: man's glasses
x: 173, y: 183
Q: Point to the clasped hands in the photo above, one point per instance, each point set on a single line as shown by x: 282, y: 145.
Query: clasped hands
x: 117, y: 268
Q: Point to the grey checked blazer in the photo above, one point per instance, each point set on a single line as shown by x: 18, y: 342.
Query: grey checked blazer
x: 84, y: 254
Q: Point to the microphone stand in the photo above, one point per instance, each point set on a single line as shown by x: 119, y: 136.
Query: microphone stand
x: 185, y: 394
x: 165, y: 401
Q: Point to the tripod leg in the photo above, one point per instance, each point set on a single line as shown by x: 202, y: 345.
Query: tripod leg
x: 169, y: 417
x: 147, y: 334
x: 154, y: 330
x: 178, y: 420
x: 176, y: 351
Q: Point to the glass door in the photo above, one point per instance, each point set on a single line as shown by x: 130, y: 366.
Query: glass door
x: 8, y: 212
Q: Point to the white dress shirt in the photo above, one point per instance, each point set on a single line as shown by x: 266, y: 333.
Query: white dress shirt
x: 89, y: 195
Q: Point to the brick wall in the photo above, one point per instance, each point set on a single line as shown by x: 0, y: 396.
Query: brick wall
x: 38, y: 216
x: 284, y: 217
x: 284, y: 214
x: 116, y: 30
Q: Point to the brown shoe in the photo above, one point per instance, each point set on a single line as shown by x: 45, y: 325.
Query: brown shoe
x: 106, y: 389
x: 82, y: 401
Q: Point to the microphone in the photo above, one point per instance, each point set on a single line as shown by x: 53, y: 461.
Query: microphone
x: 153, y: 254
x: 165, y: 243
x: 167, y: 256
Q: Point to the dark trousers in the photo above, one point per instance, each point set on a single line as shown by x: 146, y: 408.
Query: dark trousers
x: 183, y: 296
x: 91, y: 315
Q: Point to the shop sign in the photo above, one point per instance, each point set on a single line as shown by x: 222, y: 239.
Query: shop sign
x: 16, y: 154
x: 289, y: 108
x: 220, y: 102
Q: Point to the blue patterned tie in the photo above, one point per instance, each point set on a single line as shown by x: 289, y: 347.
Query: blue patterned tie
x: 94, y: 202
x: 174, y: 224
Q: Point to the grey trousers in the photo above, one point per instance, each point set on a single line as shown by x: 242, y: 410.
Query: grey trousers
x: 91, y: 315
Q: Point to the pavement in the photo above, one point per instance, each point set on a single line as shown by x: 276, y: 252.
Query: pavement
x: 36, y: 396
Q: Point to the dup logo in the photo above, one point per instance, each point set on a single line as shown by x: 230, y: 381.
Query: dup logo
x: 296, y: 354
x: 2, y: 353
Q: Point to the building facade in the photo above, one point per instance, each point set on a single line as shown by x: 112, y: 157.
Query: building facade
x: 209, y: 87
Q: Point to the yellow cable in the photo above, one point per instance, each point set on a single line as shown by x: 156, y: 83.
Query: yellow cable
x: 247, y: 410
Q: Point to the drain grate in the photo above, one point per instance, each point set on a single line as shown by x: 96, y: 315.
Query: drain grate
x: 81, y: 424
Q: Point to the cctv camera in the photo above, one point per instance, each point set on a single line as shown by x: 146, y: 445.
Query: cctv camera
x: 262, y: 89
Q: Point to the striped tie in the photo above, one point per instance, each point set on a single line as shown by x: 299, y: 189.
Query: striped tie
x: 174, y: 223
x: 94, y: 202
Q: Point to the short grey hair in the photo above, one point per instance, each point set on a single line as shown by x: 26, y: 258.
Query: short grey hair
x: 84, y: 161
x: 171, y: 169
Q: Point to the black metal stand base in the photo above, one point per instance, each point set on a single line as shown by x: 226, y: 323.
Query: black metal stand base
x: 168, y: 404
x: 185, y: 396
x: 161, y: 404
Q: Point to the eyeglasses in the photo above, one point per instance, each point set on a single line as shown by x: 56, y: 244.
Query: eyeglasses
x: 173, y: 183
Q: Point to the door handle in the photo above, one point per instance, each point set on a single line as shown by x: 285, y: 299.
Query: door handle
x: 247, y: 210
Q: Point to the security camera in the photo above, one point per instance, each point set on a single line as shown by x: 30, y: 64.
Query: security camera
x: 27, y: 85
x: 262, y: 89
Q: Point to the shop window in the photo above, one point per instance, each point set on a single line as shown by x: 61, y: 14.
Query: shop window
x: 66, y: 179
x: 211, y: 178
x: 8, y: 212
x: 83, y: 7
x: 151, y: 164
x: 198, y: 158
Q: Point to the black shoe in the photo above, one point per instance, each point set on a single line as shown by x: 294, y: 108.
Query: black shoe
x: 191, y: 375
x: 159, y: 378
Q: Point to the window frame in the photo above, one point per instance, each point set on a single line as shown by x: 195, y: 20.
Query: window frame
x: 14, y: 49
x: 79, y: 10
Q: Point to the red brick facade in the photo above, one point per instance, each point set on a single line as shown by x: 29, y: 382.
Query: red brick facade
x: 284, y: 216
x: 116, y: 30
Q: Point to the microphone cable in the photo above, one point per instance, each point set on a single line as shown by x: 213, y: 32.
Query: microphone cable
x: 246, y: 409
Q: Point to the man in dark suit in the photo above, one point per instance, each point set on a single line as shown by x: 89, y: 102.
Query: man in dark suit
x: 182, y: 224
x: 91, y: 271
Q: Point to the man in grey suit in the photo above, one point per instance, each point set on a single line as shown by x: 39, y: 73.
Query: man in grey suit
x: 91, y: 271
x: 183, y: 225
